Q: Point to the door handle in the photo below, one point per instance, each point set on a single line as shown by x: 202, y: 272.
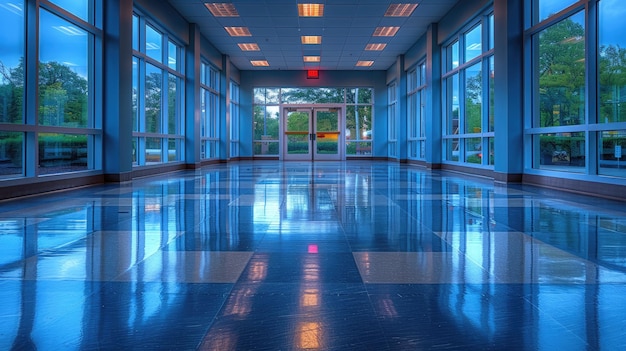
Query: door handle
x: 312, y: 136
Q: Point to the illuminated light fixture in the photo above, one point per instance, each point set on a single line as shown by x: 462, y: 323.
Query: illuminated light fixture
x: 259, y: 63
x: 311, y: 39
x: 375, y: 47
x: 248, y: 47
x: 400, y: 10
x: 313, y: 74
x: 310, y: 10
x: 311, y: 58
x: 364, y: 63
x: 222, y: 9
x: 238, y: 31
x: 386, y: 31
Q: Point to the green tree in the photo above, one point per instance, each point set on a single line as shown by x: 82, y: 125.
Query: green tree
x: 63, y: 95
x: 562, y: 74
x: 612, y: 75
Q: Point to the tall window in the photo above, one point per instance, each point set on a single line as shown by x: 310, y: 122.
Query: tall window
x: 359, y: 122
x: 577, y: 121
x: 234, y: 119
x: 392, y: 120
x: 468, y: 94
x: 611, y: 91
x: 266, y: 122
x: 158, y: 131
x: 416, y: 136
x: 209, y: 98
x: 60, y: 133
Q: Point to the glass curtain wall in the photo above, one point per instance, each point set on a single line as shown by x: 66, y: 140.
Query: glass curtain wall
x: 209, y: 100
x: 266, y: 124
x: 392, y: 120
x: 234, y: 119
x: 416, y: 98
x: 158, y: 130
x: 48, y: 122
x: 468, y: 123
x: 358, y: 120
x: 578, y: 65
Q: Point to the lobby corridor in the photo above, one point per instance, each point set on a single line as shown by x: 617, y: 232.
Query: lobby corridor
x: 268, y: 255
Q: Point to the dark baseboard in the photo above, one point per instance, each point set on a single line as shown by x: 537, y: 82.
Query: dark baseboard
x: 604, y: 190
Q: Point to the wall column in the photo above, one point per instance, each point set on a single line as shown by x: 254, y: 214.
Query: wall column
x: 508, y: 95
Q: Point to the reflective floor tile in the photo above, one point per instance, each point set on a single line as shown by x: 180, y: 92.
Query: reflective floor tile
x: 189, y: 267
x: 417, y: 268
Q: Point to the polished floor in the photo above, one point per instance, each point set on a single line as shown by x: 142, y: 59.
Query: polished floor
x: 312, y: 256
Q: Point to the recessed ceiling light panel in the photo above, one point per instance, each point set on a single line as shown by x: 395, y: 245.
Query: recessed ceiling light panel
x: 311, y: 58
x: 311, y: 39
x: 386, y: 31
x: 310, y: 10
x: 222, y: 9
x: 375, y: 47
x: 248, y: 46
x: 400, y: 10
x: 238, y: 31
x: 260, y: 63
x: 364, y: 63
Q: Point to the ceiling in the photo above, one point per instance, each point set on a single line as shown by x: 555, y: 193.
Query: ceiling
x: 346, y: 27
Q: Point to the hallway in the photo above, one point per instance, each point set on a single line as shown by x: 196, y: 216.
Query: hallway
x: 268, y: 255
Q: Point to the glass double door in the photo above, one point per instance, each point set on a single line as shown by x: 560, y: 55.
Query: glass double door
x: 312, y: 133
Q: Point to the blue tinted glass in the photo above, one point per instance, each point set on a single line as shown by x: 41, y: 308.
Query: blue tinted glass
x: 11, y: 56
x: 548, y: 8
x: 79, y: 8
x: 63, y: 72
x: 154, y: 44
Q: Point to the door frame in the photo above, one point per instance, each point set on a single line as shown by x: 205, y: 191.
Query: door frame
x: 312, y: 155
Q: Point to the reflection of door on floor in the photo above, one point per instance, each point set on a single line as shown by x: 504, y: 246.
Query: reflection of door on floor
x: 312, y: 134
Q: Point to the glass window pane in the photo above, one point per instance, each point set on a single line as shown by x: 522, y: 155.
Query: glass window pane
x: 491, y: 94
x: 153, y: 151
x: 611, y: 158
x: 473, y: 99
x: 473, y: 43
x: 358, y: 95
x: 612, y: 69
x: 491, y: 160
x: 135, y: 94
x: 491, y: 32
x: 266, y: 122
x: 473, y: 150
x: 79, y: 8
x: 453, y: 104
x: 12, y: 62
x: 452, y: 149
x: 173, y: 104
x: 359, y: 148
x: 259, y: 95
x: 154, y: 44
x: 154, y: 77
x: 11, y: 154
x: 135, y: 32
x: 562, y: 152
x: 312, y: 95
x: 561, y: 73
x: 453, y: 61
x: 548, y: 8
x: 172, y: 56
x: 63, y: 73
x: 173, y: 150
x: 60, y: 153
